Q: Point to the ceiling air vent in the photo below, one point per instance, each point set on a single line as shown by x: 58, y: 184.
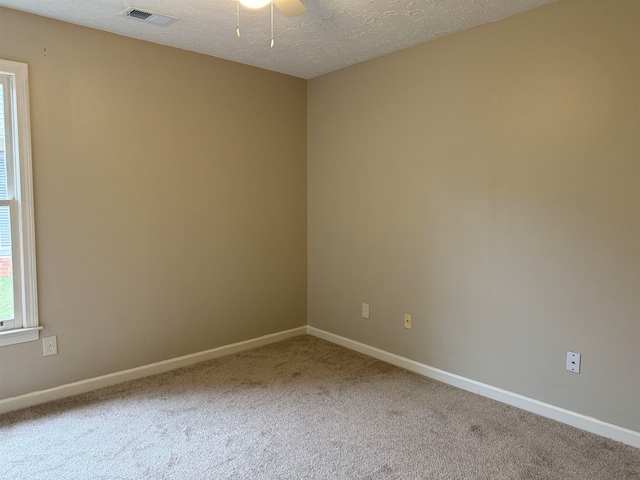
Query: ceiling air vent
x: 148, y: 17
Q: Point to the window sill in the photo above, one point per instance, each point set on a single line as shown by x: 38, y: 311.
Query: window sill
x: 19, y: 335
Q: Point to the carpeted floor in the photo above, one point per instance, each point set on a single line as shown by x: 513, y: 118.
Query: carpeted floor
x: 302, y: 408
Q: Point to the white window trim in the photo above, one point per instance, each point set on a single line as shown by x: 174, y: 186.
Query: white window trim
x: 25, y: 259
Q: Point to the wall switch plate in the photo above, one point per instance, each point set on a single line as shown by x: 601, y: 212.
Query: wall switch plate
x: 49, y: 346
x: 407, y: 321
x: 573, y: 362
x: 365, y: 310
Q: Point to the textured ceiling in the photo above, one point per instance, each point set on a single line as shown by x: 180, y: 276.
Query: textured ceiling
x: 332, y: 34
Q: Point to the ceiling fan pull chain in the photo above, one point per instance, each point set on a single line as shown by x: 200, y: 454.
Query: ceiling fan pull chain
x: 272, y: 42
x: 238, y: 17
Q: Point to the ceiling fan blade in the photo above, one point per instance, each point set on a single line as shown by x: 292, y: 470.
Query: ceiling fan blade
x: 290, y: 8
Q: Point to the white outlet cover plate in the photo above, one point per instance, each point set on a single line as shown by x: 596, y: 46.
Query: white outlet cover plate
x: 573, y: 362
x: 365, y: 310
x: 49, y: 346
x: 408, y: 319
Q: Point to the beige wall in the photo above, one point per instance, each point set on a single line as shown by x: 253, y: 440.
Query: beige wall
x: 170, y: 201
x: 489, y: 183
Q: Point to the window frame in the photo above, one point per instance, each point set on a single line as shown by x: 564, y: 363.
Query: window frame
x: 26, y: 326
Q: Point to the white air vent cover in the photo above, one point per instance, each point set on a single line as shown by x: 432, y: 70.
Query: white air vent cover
x: 148, y: 17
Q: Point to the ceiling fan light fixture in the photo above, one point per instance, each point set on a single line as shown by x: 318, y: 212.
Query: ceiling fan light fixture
x: 255, y: 3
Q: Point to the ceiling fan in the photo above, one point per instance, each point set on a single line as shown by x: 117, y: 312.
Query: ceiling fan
x: 290, y: 8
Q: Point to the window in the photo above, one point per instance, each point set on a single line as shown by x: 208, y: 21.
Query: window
x: 18, y: 295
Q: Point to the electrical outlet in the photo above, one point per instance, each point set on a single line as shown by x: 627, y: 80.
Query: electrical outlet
x: 573, y: 362
x: 365, y: 310
x: 49, y: 346
x: 407, y: 321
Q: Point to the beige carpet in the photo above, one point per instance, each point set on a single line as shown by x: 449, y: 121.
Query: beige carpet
x: 302, y: 408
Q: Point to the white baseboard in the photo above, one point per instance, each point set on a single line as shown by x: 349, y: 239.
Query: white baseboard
x: 82, y: 386
x: 574, y: 419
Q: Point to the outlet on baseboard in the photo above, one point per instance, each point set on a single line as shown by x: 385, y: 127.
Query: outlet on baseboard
x: 49, y: 346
